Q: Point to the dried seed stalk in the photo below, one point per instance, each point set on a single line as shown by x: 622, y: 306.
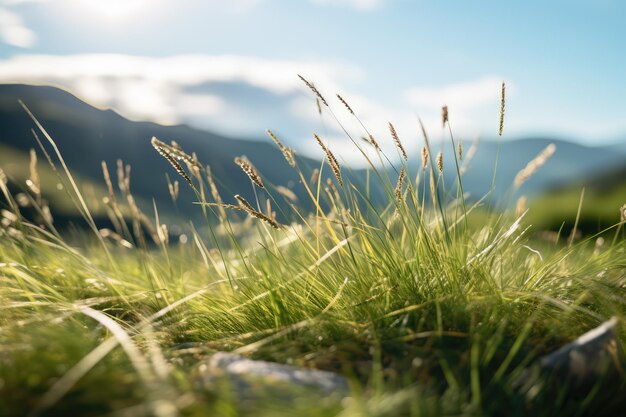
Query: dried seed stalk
x: 534, y: 165
x: 255, y: 213
x: 250, y: 171
x: 398, y: 190
x: 332, y: 161
x: 168, y: 152
x: 396, y: 140
x: 345, y: 103
x: 314, y: 89
x: 287, y: 152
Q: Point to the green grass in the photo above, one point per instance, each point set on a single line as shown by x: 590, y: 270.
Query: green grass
x: 599, y: 209
x: 425, y: 313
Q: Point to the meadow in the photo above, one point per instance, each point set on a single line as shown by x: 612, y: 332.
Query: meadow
x: 432, y: 304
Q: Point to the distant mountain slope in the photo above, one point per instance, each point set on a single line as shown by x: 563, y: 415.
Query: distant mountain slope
x: 87, y: 135
x: 570, y: 163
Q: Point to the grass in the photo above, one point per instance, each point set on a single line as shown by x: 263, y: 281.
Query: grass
x: 428, y: 306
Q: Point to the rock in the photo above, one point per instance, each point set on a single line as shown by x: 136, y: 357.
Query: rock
x: 250, y: 377
x: 594, y: 357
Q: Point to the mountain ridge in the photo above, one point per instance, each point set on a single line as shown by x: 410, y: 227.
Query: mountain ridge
x: 87, y: 135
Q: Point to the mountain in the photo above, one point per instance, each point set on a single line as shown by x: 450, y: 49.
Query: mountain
x: 570, y: 163
x: 86, y: 136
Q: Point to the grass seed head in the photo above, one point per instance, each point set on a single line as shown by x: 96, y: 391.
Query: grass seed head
x: 287, y: 193
x: 247, y: 207
x: 444, y: 115
x: 424, y: 158
x: 534, y: 165
x: 345, y: 103
x: 396, y: 140
x: 332, y: 161
x: 373, y: 142
x: 440, y: 162
x: 314, y: 89
x: 33, y: 181
x: 398, y: 190
x: 215, y: 193
x: 314, y: 176
x: 520, y: 207
x: 502, y: 102
x: 173, y: 189
x: 250, y: 171
x: 287, y: 152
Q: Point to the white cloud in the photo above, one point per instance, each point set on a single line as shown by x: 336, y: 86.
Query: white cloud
x: 466, y: 94
x: 242, y: 96
x: 13, y: 31
x: 472, y: 104
x: 12, y: 2
x: 363, y: 5
x: 162, y: 89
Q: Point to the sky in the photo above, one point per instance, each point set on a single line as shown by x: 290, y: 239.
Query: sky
x: 231, y: 66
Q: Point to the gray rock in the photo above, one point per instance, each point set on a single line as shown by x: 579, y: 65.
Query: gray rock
x: 593, y: 357
x: 247, y: 377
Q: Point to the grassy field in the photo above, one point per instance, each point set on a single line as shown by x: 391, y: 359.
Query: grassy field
x: 430, y: 306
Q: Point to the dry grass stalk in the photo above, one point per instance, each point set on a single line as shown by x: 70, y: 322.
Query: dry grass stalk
x: 469, y: 156
x: 314, y: 89
x: 166, y: 152
x: 440, y: 162
x: 33, y: 181
x: 255, y: 213
x: 123, y: 177
x: 173, y: 188
x: 520, y: 207
x: 318, y: 105
x: 287, y: 152
x: 332, y: 161
x: 424, y: 158
x: 175, y: 151
x: 287, y: 193
x: 215, y: 193
x: 374, y: 142
x: 195, y: 167
x: 333, y: 193
x: 315, y: 175
x: 398, y: 190
x: 107, y: 180
x: 534, y: 165
x: 444, y: 115
x: 396, y: 140
x: 115, y: 237
x: 502, y: 102
x: 250, y: 171
x: 345, y: 103
x: 433, y: 187
x: 114, y: 212
x: 163, y: 234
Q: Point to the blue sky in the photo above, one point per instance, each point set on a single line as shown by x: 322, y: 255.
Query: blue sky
x: 231, y: 66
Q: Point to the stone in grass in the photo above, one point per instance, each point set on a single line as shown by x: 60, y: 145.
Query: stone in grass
x: 595, y: 357
x: 250, y: 378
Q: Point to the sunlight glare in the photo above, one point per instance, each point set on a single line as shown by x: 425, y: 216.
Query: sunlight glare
x: 113, y: 9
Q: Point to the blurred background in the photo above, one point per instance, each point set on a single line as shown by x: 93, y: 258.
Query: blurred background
x: 103, y: 77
